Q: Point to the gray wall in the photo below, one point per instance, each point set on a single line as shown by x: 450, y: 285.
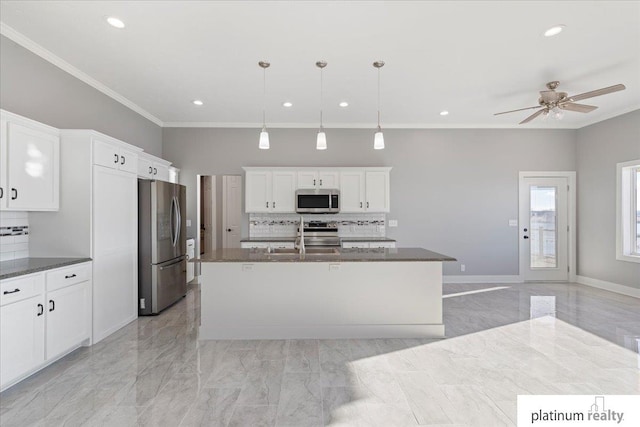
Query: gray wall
x: 452, y: 191
x: 599, y: 148
x: 37, y: 89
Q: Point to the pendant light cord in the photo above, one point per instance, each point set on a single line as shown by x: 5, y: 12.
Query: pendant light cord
x: 378, y: 98
x: 321, y: 99
x: 264, y: 98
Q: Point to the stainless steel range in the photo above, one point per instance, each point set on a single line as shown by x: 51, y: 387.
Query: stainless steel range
x: 321, y: 233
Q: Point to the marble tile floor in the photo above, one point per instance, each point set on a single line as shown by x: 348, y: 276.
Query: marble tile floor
x: 504, y: 341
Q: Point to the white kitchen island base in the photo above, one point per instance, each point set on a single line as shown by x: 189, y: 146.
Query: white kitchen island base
x: 298, y: 299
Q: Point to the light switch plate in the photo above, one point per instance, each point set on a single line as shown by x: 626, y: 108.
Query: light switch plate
x: 393, y: 223
x: 513, y: 223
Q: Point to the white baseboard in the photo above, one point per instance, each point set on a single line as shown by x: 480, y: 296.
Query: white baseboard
x: 609, y: 286
x: 481, y: 279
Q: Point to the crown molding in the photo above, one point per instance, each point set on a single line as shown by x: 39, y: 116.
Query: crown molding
x: 47, y: 55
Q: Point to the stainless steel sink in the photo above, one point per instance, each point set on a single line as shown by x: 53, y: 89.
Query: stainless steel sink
x: 308, y: 251
x: 322, y: 251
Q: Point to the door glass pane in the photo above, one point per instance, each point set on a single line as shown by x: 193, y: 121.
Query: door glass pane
x: 543, y: 223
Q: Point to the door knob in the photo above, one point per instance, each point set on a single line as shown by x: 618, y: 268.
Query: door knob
x: 229, y: 230
x: 525, y: 237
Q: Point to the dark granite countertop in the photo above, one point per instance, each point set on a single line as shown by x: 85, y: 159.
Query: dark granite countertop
x: 292, y: 239
x: 22, y: 266
x: 344, y: 255
x: 366, y: 239
x: 269, y: 239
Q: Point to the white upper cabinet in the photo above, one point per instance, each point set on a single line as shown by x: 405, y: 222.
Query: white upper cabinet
x: 270, y: 191
x: 283, y: 191
x: 113, y: 156
x: 318, y: 179
x: 258, y: 191
x: 365, y: 191
x: 273, y: 189
x: 152, y: 167
x: 377, y: 191
x: 30, y: 169
x: 352, y: 191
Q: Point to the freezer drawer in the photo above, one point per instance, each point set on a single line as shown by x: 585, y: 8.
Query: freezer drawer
x: 167, y: 285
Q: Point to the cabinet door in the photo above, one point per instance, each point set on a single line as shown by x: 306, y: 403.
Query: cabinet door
x: 377, y: 184
x: 329, y: 180
x: 283, y: 191
x: 258, y: 191
x: 161, y: 172
x: 68, y: 318
x: 352, y: 191
x: 21, y: 338
x: 307, y: 179
x: 105, y: 154
x: 3, y: 164
x: 115, y: 241
x: 128, y: 161
x: 145, y: 168
x: 382, y: 245
x: 33, y: 169
x: 355, y: 245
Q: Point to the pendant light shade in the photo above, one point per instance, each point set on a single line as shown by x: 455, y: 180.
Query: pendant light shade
x: 378, y: 140
x: 263, y: 144
x: 264, y: 140
x: 321, y: 139
x: 378, y: 137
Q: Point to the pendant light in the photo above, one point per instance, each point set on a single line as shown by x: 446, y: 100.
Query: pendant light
x: 321, y: 140
x: 378, y: 137
x: 264, y: 135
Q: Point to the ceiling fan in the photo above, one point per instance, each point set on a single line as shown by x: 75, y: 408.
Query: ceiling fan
x: 552, y: 101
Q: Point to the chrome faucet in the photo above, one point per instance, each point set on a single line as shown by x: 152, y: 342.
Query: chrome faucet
x: 299, y: 245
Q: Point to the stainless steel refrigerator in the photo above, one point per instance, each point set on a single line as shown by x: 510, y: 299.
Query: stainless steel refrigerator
x: 162, y: 260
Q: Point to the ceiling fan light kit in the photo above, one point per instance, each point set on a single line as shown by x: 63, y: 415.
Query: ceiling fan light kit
x: 555, y: 103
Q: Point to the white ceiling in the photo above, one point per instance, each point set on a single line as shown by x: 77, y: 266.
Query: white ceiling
x: 472, y: 58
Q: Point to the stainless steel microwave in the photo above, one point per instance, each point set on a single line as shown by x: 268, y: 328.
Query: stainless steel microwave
x: 317, y: 201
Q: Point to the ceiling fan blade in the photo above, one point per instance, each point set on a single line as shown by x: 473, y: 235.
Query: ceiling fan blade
x: 580, y: 108
x: 521, y: 109
x: 533, y: 116
x: 598, y: 92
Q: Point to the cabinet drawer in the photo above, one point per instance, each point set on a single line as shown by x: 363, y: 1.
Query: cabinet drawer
x: 382, y: 244
x: 12, y: 290
x: 355, y: 245
x: 61, y: 277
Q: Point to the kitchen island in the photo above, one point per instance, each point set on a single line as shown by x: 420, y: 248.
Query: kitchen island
x: 346, y: 293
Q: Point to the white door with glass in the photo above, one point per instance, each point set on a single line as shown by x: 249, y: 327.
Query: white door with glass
x: 544, y: 228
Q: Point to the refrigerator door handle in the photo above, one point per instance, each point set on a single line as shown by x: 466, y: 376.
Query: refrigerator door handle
x: 162, y: 267
x: 179, y: 220
x: 172, y: 213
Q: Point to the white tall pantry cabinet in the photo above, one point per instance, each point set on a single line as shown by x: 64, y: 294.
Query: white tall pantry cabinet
x: 98, y: 218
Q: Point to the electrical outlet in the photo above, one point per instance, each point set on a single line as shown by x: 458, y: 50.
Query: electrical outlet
x: 513, y: 223
x: 393, y: 223
x: 463, y: 267
x: 188, y: 223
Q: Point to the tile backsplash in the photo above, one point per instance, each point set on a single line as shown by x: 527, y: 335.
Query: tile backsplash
x: 286, y: 225
x: 14, y: 235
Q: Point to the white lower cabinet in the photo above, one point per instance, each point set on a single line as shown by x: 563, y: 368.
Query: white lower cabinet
x: 21, y: 339
x: 43, y: 316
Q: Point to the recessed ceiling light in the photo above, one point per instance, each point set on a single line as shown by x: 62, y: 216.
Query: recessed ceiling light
x: 344, y: 104
x: 115, y: 22
x: 197, y: 102
x: 554, y: 30
x: 287, y: 104
x: 444, y: 113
